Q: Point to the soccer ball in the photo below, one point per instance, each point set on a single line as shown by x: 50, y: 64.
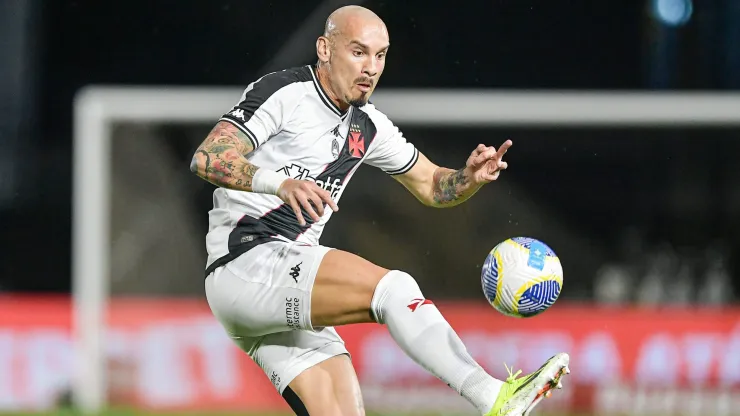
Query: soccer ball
x: 522, y: 277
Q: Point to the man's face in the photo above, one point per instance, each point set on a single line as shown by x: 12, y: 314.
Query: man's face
x: 357, y: 61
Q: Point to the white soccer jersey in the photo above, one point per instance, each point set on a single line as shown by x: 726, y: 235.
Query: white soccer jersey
x: 296, y: 129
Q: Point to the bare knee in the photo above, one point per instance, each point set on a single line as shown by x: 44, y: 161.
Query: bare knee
x: 330, y: 388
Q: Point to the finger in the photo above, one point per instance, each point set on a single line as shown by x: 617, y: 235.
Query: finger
x: 307, y: 206
x: 491, y: 176
x: 484, y: 156
x: 326, y: 197
x: 315, y: 199
x: 297, y: 209
x: 480, y: 149
x: 504, y: 147
x: 502, y: 165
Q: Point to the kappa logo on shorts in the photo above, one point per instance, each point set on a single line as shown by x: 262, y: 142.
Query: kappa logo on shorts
x: 275, y: 379
x: 295, y: 271
x: 416, y: 303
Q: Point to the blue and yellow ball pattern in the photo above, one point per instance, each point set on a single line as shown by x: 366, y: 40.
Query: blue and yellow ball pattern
x: 522, y: 277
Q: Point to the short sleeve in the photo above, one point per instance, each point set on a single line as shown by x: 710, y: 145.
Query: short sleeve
x: 391, y: 152
x: 264, y: 106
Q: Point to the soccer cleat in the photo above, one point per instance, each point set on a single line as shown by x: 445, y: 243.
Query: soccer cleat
x: 518, y: 396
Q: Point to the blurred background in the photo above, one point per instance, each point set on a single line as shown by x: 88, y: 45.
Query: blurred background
x: 644, y: 218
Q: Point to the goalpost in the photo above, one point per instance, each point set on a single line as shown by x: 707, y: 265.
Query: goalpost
x: 97, y: 107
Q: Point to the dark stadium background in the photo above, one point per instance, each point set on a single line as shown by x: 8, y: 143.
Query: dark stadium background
x: 637, y: 215
x: 598, y: 182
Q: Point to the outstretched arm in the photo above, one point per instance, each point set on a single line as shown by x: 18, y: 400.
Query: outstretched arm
x: 442, y: 187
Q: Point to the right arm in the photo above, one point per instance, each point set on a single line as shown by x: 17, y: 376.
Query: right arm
x: 221, y: 158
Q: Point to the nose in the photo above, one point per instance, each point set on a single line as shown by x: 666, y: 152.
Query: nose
x: 371, y: 67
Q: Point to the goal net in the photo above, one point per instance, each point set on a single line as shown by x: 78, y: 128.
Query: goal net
x: 144, y: 335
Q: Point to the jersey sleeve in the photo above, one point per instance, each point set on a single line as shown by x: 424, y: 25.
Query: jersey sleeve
x: 391, y: 152
x: 264, y: 107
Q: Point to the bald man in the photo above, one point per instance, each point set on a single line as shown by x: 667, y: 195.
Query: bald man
x: 281, y: 158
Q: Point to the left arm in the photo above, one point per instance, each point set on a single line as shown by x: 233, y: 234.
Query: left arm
x: 442, y: 187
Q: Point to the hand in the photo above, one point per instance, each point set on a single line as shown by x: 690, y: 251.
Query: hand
x: 307, y: 195
x: 486, y: 163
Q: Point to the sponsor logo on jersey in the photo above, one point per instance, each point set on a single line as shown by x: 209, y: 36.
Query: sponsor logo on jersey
x: 333, y: 185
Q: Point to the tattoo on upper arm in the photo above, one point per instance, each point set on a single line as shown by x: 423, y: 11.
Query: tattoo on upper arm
x: 449, y: 186
x: 221, y: 160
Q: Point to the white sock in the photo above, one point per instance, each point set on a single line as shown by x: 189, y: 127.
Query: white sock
x: 423, y: 334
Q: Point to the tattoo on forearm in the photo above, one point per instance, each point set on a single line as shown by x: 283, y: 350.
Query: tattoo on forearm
x: 221, y: 160
x: 451, y: 187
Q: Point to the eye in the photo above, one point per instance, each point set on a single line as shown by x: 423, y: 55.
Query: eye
x: 381, y: 55
x: 357, y: 53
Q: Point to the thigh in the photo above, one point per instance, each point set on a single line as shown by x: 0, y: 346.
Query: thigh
x: 265, y: 290
x: 343, y: 289
x: 328, y: 388
x: 291, y: 358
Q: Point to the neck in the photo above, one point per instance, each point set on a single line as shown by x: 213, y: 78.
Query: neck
x: 322, y: 73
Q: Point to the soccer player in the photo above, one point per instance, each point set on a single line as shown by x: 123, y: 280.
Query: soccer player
x: 281, y: 158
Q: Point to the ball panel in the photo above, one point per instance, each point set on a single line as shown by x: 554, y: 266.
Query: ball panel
x: 527, y: 243
x: 533, y: 278
x: 489, y: 277
x: 538, y: 297
x: 506, y: 254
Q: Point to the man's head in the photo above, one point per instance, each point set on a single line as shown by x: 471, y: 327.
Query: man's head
x: 352, y: 54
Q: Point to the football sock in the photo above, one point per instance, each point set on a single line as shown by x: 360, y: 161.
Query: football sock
x: 423, y: 334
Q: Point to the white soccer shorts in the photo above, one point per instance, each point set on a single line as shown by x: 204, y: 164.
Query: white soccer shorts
x: 262, y: 298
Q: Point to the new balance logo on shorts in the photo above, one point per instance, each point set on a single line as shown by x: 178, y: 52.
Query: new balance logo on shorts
x: 414, y: 305
x: 295, y: 271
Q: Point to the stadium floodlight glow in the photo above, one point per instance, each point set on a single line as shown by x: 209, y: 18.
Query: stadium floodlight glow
x: 673, y: 12
x: 96, y: 108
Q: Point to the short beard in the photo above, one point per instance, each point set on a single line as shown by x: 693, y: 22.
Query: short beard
x: 358, y: 102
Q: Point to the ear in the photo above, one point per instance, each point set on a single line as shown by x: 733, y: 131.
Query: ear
x: 323, y: 49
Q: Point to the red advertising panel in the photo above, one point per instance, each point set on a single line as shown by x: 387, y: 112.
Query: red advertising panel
x: 172, y: 354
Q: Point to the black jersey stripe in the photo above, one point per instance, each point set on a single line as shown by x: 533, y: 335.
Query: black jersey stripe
x: 247, y: 234
x: 257, y: 94
x: 252, y: 138
x: 283, y: 220
x: 323, y: 95
x: 407, y: 167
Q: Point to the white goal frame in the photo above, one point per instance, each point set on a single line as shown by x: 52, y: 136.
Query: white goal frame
x: 96, y: 107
